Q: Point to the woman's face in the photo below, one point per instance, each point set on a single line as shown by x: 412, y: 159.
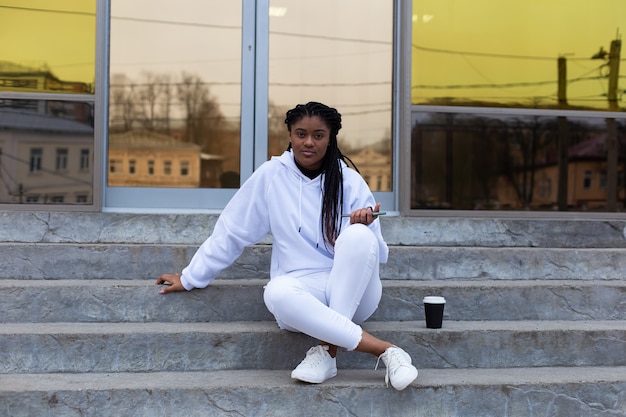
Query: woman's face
x: 309, y: 137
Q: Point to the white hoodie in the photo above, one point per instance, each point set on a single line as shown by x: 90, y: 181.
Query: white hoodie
x: 278, y: 198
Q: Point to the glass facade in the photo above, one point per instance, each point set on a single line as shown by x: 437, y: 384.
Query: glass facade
x: 331, y: 52
x: 517, y: 105
x: 47, y: 79
x: 175, y: 92
x: 513, y: 106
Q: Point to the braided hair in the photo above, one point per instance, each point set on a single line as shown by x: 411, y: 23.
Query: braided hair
x: 332, y: 193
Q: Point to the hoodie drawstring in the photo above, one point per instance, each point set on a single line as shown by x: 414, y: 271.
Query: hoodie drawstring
x: 300, y: 208
x: 319, y: 223
x: 317, y: 237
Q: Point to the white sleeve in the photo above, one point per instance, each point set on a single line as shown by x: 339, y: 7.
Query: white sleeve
x: 244, y: 221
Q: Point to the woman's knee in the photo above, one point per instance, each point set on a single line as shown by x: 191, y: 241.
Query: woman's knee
x: 279, y: 293
x: 273, y: 292
x: 358, y: 234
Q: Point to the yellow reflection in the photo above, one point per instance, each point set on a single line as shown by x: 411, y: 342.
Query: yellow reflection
x: 488, y: 53
x: 55, y: 38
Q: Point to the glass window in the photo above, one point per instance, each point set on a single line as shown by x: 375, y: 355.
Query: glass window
x: 175, y: 90
x: 331, y: 52
x: 52, y: 46
x: 467, y: 161
x: 47, y: 47
x: 532, y: 76
x: 518, y: 53
x: 587, y: 180
x: 115, y: 166
x: 603, y: 179
x: 184, y: 168
x: 36, y: 154
x: 61, y: 161
x: 84, y: 159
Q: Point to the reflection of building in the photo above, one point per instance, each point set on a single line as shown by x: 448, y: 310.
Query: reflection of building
x: 44, y: 159
x: 375, y: 168
x: 15, y: 77
x: 587, y: 173
x: 141, y: 158
x: 19, y: 78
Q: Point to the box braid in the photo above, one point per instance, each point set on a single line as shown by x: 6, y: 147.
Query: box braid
x: 332, y: 193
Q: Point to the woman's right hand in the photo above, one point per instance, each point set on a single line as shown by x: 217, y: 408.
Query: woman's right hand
x: 172, y: 281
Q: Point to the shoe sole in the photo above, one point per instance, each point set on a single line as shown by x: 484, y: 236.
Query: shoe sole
x: 304, y: 378
x: 403, y: 386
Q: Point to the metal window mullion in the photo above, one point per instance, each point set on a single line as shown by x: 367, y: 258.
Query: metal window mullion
x: 19, y: 95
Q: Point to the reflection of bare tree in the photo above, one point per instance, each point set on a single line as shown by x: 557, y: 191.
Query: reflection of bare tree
x: 167, y: 95
x: 202, y: 113
x: 155, y: 101
x: 522, y: 146
x: 150, y: 104
x: 192, y: 93
x: 123, y: 102
x: 148, y: 95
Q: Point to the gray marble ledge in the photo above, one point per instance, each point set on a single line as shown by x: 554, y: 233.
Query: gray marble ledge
x: 193, y: 229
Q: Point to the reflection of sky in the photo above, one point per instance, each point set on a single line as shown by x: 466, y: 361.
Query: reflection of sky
x: 319, y: 51
x: 508, y: 50
x: 339, y: 53
x: 172, y: 37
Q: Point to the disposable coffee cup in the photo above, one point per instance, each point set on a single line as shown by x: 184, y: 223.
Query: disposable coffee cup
x: 433, y: 310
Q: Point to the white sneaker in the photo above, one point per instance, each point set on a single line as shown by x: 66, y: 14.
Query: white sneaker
x: 400, y: 372
x: 316, y: 367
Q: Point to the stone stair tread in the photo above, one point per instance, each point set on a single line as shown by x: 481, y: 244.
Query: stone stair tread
x: 236, y: 327
x: 148, y: 261
x: 566, y: 392
x: 239, y: 282
x: 147, y: 347
x: 428, y: 378
x: 89, y: 300
x: 193, y: 228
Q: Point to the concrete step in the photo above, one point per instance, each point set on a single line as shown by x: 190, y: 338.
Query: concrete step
x: 554, y: 392
x: 148, y: 261
x: 193, y: 228
x: 150, y: 347
x: 242, y: 300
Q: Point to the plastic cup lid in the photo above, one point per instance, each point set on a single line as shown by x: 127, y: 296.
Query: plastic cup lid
x: 434, y: 300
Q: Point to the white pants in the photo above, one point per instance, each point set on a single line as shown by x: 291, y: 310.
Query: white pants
x: 331, y: 305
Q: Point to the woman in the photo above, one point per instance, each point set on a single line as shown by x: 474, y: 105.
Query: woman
x: 324, y: 274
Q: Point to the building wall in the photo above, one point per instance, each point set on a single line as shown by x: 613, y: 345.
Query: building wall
x: 70, y: 185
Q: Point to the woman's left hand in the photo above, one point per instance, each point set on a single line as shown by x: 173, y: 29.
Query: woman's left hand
x: 364, y: 215
x: 172, y: 282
